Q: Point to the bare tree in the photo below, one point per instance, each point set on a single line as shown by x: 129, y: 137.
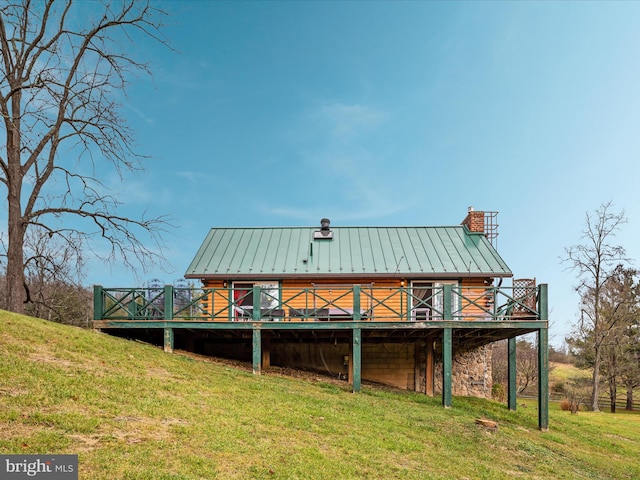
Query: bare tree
x: 526, y: 364
x: 577, y: 390
x: 619, y: 307
x: 54, y: 272
x: 631, y: 369
x: 499, y: 363
x: 63, y: 69
x: 595, y: 261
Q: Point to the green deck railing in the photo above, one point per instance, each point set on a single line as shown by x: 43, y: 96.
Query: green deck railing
x: 320, y: 303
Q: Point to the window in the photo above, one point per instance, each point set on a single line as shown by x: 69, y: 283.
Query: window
x: 421, y: 301
x: 427, y: 302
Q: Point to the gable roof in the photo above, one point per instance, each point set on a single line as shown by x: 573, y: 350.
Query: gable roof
x: 287, y: 252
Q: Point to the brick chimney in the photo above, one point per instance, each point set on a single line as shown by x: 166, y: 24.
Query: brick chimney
x: 474, y: 221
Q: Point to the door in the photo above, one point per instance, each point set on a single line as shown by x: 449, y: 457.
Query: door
x: 244, y: 302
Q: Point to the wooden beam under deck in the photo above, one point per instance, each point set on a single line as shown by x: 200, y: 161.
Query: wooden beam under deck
x: 528, y: 325
x: 429, y: 368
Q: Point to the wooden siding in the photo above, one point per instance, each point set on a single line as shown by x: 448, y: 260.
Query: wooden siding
x: 383, y: 300
x: 476, y: 301
x: 217, y: 305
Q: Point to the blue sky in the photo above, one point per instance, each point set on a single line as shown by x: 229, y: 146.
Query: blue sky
x: 391, y: 113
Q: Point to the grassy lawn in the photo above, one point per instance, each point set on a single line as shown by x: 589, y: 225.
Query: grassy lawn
x: 131, y: 411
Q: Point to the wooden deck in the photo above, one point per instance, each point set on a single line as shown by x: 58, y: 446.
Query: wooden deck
x: 454, y: 317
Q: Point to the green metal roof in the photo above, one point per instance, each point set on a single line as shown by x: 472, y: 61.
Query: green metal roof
x: 285, y: 252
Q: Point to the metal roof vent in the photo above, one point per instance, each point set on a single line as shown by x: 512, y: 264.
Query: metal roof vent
x: 324, y: 232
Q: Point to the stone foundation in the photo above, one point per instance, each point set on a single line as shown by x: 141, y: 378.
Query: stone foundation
x: 470, y: 373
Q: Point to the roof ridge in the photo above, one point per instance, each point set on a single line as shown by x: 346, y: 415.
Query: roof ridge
x: 339, y: 226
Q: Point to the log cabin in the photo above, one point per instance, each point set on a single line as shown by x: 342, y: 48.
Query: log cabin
x: 415, y: 307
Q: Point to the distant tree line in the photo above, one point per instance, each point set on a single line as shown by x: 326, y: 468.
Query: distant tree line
x: 606, y: 337
x: 57, y: 301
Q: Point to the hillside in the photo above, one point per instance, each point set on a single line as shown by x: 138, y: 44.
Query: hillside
x: 131, y: 411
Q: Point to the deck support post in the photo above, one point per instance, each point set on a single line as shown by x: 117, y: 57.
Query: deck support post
x: 512, y: 387
x: 408, y: 303
x: 355, y: 360
x: 168, y: 302
x: 168, y: 339
x: 447, y: 345
x: 543, y: 359
x: 257, y: 349
x: 98, y: 302
x: 543, y: 379
x: 257, y: 295
x: 168, y: 315
x: 357, y: 315
x: 447, y: 354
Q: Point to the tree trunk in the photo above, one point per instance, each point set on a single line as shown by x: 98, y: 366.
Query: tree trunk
x: 613, y: 393
x: 612, y: 367
x: 15, y: 252
x: 629, y: 405
x: 16, y: 295
x: 595, y: 394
